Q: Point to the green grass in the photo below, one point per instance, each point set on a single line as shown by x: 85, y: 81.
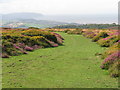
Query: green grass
x: 37, y: 25
x: 73, y: 65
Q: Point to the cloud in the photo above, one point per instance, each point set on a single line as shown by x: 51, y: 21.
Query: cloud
x: 60, y: 6
x: 5, y: 1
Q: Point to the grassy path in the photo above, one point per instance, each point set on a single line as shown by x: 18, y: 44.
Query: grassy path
x: 73, y: 65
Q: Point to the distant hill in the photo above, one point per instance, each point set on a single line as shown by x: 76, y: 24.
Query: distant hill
x: 25, y: 20
x: 42, y: 21
x: 13, y: 16
x: 25, y: 23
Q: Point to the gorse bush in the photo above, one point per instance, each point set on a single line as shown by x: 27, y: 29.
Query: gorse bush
x: 89, y: 34
x: 77, y: 31
x: 45, y: 34
x: 108, y: 41
x: 114, y: 69
x: 19, y: 41
x: 104, y: 43
x: 99, y: 36
x: 115, y: 47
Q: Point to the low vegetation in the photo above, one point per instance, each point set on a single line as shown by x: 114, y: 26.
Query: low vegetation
x: 72, y: 65
x: 19, y: 41
x: 105, y: 38
x: 78, y: 53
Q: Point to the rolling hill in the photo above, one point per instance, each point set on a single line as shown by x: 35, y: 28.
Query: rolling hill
x: 25, y: 20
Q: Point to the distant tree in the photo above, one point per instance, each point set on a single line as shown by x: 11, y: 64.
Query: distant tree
x: 86, y: 26
x: 33, y: 28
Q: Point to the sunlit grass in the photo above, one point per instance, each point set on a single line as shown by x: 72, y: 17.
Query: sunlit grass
x: 73, y: 65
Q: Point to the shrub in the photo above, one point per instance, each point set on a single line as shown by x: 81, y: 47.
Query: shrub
x: 53, y: 44
x: 21, y: 45
x: 33, y: 28
x: 110, y: 60
x: 114, y: 39
x: 36, y: 47
x: 66, y: 31
x: 18, y: 41
x: 89, y: 34
x: 15, y: 53
x: 4, y: 55
x: 59, y: 38
x: 58, y: 35
x: 7, y: 47
x: 108, y: 41
x: 46, y: 34
x: 114, y: 69
x: 27, y: 48
x: 77, y: 31
x: 114, y: 48
x: 99, y: 36
x: 104, y: 42
x: 6, y: 43
x: 39, y: 40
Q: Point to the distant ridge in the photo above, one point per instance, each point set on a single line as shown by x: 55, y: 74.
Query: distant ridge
x: 25, y: 23
x: 22, y: 15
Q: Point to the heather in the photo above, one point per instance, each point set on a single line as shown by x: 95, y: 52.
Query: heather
x: 100, y: 35
x: 108, y: 41
x: 89, y: 34
x: 77, y: 31
x: 112, y: 64
x: 20, y: 41
x: 110, y: 59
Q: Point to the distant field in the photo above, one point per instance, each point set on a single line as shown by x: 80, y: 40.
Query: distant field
x: 37, y: 25
x: 26, y: 25
x: 21, y: 23
x: 73, y: 65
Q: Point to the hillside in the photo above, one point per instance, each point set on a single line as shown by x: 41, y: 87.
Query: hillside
x: 25, y: 23
x: 25, y: 20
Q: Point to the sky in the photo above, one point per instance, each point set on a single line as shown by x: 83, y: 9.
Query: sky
x: 60, y: 7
